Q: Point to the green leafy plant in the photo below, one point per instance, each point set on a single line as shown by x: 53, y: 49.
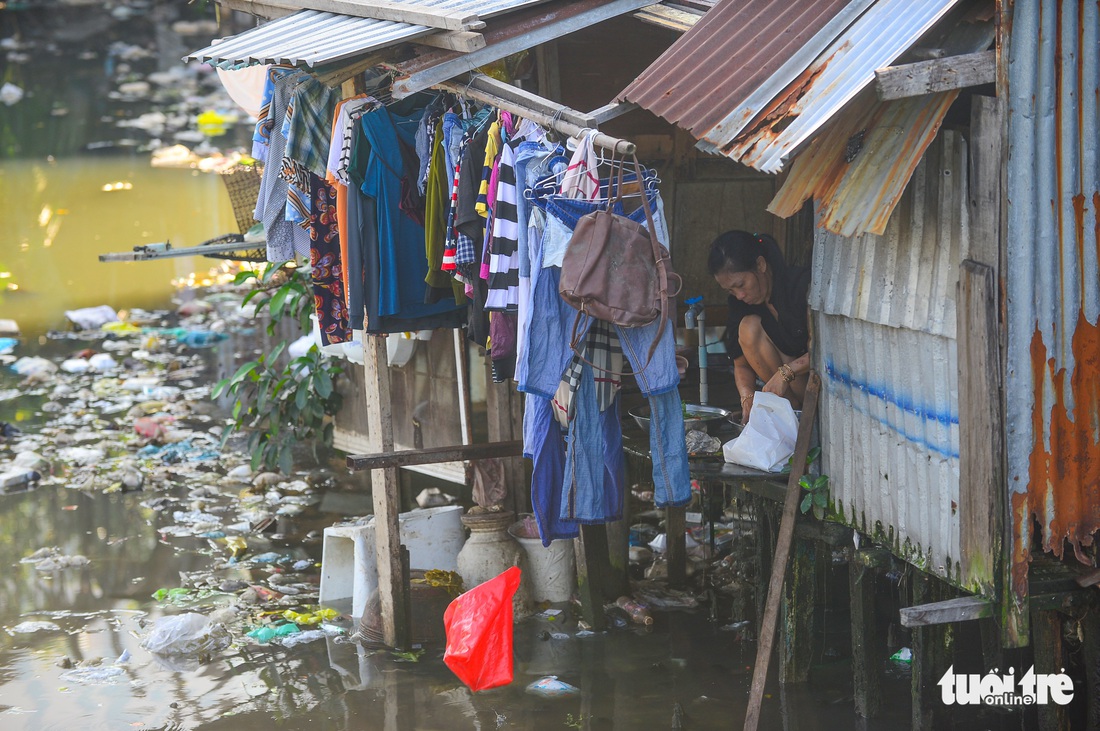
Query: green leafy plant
x: 811, y: 457
x: 282, y: 405
x: 817, y: 494
x: 282, y: 289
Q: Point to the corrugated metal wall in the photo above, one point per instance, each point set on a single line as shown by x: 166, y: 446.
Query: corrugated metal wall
x: 1053, y: 282
x: 884, y: 318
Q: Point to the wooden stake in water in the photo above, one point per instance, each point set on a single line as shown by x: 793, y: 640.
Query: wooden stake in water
x: 782, y: 552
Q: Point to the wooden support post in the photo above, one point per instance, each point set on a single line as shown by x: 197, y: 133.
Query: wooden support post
x: 617, y: 581
x: 546, y: 59
x: 392, y: 579
x: 782, y: 553
x: 866, y: 648
x: 799, y: 599
x: 930, y: 660
x: 1090, y: 648
x: 506, y: 424
x: 591, y: 552
x: 1046, y: 630
x: 676, y: 546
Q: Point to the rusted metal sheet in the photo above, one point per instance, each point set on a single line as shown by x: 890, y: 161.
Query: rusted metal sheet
x: 906, y: 277
x: 732, y: 51
x: 885, y: 326
x: 1053, y: 279
x: 856, y: 170
x: 876, y: 39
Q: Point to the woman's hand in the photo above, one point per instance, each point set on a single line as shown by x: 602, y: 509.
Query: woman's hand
x: 746, y: 406
x: 778, y: 385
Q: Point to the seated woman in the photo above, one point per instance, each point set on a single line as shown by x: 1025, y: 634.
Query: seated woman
x: 769, y: 334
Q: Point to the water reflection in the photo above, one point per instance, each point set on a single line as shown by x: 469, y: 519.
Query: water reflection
x: 58, y: 219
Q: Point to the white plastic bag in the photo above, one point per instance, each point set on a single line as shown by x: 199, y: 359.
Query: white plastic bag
x: 185, y: 634
x: 768, y: 439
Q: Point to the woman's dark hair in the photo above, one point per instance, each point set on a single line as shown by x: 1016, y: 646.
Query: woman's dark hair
x: 736, y: 251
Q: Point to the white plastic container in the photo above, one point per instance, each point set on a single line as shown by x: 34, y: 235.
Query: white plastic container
x: 349, y: 564
x: 552, y: 569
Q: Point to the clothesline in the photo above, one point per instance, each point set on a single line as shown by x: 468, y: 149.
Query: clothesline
x: 555, y: 121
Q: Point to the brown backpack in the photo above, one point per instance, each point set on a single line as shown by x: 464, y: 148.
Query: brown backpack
x: 616, y: 270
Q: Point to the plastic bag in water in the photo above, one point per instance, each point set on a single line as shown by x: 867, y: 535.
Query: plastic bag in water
x: 479, y: 632
x: 185, y: 634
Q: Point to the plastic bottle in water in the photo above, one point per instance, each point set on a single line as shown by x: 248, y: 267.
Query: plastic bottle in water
x: 637, y: 611
x: 200, y: 338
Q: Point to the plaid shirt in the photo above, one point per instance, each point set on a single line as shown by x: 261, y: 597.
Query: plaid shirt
x: 603, y: 350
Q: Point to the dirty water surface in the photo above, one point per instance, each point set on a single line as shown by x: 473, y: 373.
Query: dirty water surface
x: 93, y: 567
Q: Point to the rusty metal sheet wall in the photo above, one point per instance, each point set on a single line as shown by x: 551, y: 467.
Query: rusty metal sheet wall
x: 884, y: 342
x: 1053, y: 281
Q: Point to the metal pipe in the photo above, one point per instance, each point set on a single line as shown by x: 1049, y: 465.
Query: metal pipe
x: 701, y: 319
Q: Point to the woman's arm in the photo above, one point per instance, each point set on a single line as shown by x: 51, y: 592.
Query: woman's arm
x: 744, y: 377
x: 780, y: 382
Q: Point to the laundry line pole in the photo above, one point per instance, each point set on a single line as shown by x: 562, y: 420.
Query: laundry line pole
x: 545, y: 118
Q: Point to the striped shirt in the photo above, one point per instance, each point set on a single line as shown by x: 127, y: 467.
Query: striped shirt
x: 503, y: 293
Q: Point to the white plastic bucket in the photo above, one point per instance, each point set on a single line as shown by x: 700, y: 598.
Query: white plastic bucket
x: 552, y: 568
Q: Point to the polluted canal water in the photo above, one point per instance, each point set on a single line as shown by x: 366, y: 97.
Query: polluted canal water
x: 151, y: 579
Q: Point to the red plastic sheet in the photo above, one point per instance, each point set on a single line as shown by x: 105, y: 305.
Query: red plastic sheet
x: 479, y: 632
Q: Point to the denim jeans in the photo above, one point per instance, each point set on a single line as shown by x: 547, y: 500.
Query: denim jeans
x: 595, y: 468
x: 548, y: 354
x: 544, y: 446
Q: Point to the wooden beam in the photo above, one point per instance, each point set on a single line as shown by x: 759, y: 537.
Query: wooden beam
x: 590, y: 549
x: 676, y: 545
x: 622, y: 147
x: 782, y: 553
x: 381, y: 10
x: 610, y: 111
x: 519, y: 36
x: 528, y: 99
x: 258, y: 8
x: 962, y: 609
x: 454, y: 40
x: 799, y: 601
x: 435, y: 455
x: 664, y: 16
x: 866, y: 648
x: 386, y: 494
x: 941, y: 74
x: 981, y: 486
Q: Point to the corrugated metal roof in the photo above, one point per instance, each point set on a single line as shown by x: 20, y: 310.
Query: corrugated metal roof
x: 884, y: 317
x: 307, y: 38
x: 313, y: 38
x: 857, y: 168
x: 886, y: 30
x: 735, y: 48
x: 1053, y: 279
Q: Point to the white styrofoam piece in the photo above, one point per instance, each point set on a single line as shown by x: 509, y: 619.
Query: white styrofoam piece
x: 349, y: 567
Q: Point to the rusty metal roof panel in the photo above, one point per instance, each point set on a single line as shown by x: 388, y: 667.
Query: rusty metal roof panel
x: 885, y: 31
x: 730, y: 53
x: 307, y: 38
x: 906, y: 277
x: 857, y: 168
x: 1053, y: 279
